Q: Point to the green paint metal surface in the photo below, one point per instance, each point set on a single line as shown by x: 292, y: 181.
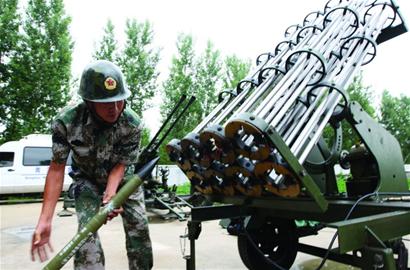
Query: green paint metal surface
x: 304, y: 208
x: 354, y: 234
x: 378, y: 258
x: 385, y: 149
x: 298, y: 169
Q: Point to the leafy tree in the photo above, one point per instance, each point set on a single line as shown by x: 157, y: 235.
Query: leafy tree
x: 9, y: 33
x: 203, y: 77
x: 362, y: 94
x: 138, y: 61
x: 145, y: 137
x: 108, y: 44
x: 180, y: 82
x: 139, y: 64
x: 208, y: 80
x: 395, y: 116
x: 41, y: 70
x: 236, y: 70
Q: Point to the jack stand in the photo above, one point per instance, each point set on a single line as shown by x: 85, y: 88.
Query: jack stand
x: 194, y: 230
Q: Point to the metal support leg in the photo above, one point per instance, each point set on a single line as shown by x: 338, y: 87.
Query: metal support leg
x: 194, y: 229
x: 378, y: 258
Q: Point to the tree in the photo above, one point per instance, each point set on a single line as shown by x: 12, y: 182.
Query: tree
x: 235, y: 71
x: 208, y: 80
x: 145, y: 137
x: 41, y: 70
x: 139, y: 63
x: 395, y: 116
x: 9, y: 33
x: 180, y: 82
x: 108, y: 45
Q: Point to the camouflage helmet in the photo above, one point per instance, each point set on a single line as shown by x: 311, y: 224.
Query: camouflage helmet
x: 102, y: 81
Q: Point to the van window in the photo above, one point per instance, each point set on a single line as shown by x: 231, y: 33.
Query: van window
x: 6, y: 159
x: 39, y: 156
x: 36, y: 156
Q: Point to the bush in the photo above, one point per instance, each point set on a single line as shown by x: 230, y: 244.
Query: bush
x: 184, y: 189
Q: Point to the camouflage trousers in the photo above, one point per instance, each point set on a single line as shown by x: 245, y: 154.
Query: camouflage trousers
x: 139, y: 250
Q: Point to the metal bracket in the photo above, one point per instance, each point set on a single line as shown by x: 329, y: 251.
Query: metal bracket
x: 298, y: 169
x: 194, y: 230
x: 378, y: 258
x: 372, y: 230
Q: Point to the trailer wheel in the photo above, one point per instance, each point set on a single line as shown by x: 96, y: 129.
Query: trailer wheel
x: 274, y: 243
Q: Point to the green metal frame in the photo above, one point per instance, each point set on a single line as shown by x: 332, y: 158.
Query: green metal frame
x: 371, y: 230
x: 384, y: 148
x: 298, y: 170
x: 367, y: 234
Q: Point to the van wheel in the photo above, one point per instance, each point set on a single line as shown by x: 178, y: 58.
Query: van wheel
x: 274, y: 243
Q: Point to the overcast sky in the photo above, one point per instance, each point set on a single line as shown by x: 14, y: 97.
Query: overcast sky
x: 245, y: 28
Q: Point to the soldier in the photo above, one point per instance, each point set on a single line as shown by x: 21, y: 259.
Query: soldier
x: 103, y: 135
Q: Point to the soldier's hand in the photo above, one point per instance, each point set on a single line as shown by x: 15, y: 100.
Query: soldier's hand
x: 41, y: 241
x: 106, y: 199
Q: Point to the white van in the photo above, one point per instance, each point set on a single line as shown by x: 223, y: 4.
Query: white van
x: 24, y: 165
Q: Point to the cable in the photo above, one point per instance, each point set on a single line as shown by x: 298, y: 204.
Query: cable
x: 350, y: 212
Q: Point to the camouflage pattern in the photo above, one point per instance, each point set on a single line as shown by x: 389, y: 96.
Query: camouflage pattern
x: 139, y: 250
x: 87, y: 203
x: 95, y: 151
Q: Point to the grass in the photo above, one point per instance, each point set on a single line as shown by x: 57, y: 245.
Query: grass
x: 341, y: 183
x: 21, y: 198
x: 184, y: 189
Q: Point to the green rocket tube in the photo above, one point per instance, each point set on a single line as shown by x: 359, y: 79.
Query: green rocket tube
x: 132, y: 183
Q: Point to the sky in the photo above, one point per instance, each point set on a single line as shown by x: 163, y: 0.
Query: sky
x: 244, y: 28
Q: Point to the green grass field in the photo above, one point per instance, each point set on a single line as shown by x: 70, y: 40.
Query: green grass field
x: 184, y: 189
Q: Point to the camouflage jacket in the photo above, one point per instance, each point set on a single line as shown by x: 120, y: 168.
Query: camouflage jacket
x: 95, y: 149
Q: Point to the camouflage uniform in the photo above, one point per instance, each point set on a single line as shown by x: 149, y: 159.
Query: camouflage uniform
x: 95, y: 151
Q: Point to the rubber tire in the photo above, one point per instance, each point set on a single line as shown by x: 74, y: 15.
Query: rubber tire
x: 276, y: 238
